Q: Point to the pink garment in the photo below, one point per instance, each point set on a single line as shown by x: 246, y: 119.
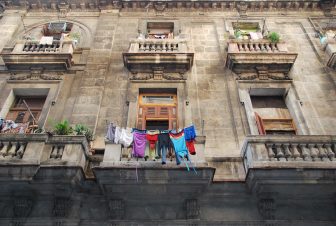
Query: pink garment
x: 139, y: 144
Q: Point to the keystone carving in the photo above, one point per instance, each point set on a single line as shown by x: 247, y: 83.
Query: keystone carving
x: 117, y: 208
x: 192, y: 209
x: 62, y: 207
x: 266, y: 208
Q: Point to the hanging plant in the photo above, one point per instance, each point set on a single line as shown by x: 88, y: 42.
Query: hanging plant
x: 274, y: 37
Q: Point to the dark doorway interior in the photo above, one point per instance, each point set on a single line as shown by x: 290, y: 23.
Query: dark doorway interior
x: 157, y: 124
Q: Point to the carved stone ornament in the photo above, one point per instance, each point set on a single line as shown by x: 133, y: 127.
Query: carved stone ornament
x: 266, y: 208
x: 160, y: 6
x: 35, y: 75
x: 263, y: 76
x: 157, y: 76
x: 117, y: 208
x: 192, y: 209
x: 62, y: 207
x: 22, y: 207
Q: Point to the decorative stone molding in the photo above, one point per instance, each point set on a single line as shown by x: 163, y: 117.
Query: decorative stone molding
x: 35, y: 74
x: 117, y: 208
x: 160, y: 6
x: 266, y: 208
x: 192, y: 209
x: 62, y: 207
x: 160, y: 76
x: 22, y: 207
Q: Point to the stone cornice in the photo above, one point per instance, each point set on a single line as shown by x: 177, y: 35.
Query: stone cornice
x: 135, y: 5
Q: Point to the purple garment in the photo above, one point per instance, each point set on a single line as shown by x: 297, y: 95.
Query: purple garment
x: 139, y: 144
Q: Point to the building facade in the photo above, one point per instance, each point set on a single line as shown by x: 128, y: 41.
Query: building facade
x: 256, y: 78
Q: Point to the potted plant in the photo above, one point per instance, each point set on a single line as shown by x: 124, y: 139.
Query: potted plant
x: 81, y: 129
x: 63, y: 128
x: 274, y: 37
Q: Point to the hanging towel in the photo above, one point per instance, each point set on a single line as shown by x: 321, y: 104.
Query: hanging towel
x: 179, y: 144
x: 191, y: 147
x: 152, y: 140
x: 139, y: 144
x: 126, y: 137
x: 117, y: 135
x: 190, y: 133
x: 110, y: 132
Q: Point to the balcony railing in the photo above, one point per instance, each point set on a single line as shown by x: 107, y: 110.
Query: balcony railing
x: 281, y: 151
x: 170, y: 55
x: 31, y: 151
x: 261, y: 57
x: 27, y: 54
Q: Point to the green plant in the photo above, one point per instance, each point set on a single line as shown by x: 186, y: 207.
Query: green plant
x: 83, y: 130
x: 237, y: 33
x: 74, y: 36
x: 274, y: 37
x: 63, y: 128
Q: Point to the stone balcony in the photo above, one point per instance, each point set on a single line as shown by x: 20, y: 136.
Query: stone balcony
x: 24, y: 156
x: 30, y: 54
x: 290, y: 160
x: 262, y: 59
x: 163, y: 55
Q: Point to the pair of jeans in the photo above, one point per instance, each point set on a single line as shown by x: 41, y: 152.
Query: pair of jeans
x: 162, y: 151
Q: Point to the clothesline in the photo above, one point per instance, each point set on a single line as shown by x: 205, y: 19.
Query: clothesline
x: 159, y: 142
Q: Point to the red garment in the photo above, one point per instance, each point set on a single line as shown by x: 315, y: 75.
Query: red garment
x: 152, y: 140
x: 191, y: 147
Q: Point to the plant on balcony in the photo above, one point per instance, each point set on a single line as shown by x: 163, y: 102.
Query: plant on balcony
x: 81, y: 129
x: 274, y: 37
x: 237, y: 34
x: 63, y: 128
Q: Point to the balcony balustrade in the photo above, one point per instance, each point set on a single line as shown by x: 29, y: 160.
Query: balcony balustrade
x: 27, y: 54
x: 30, y: 152
x: 261, y: 57
x: 273, y: 159
x: 170, y: 55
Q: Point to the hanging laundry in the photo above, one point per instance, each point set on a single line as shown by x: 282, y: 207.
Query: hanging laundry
x: 126, y: 137
x: 180, y: 147
x: 139, y: 144
x: 117, y: 135
x: 163, y: 146
x: 152, y: 138
x: 190, y: 132
x: 110, y: 132
x: 190, y: 135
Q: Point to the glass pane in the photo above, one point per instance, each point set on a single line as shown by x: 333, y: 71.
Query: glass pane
x: 157, y: 100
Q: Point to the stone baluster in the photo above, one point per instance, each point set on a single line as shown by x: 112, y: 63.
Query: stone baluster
x: 268, y: 48
x: 330, y: 153
x: 164, y: 47
x: 169, y: 47
x: 21, y: 150
x: 313, y: 152
x: 270, y: 152
x: 12, y: 150
x: 4, y: 149
x: 322, y: 152
x: 295, y: 153
x: 175, y: 46
x: 305, y: 153
x: 60, y: 150
x: 53, y: 154
x: 250, y: 46
x: 240, y: 47
x: 152, y: 47
x: 273, y: 48
x: 257, y: 48
x: 142, y: 46
x: 262, y: 47
x: 147, y: 46
x: 279, y: 153
x: 158, y: 47
x: 287, y: 152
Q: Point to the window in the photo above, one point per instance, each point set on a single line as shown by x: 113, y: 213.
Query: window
x: 160, y: 30
x: 25, y: 109
x: 157, y: 111
x: 247, y: 30
x: 272, y: 115
x: 56, y: 29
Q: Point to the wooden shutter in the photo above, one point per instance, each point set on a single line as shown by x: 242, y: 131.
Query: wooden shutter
x: 260, y: 124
